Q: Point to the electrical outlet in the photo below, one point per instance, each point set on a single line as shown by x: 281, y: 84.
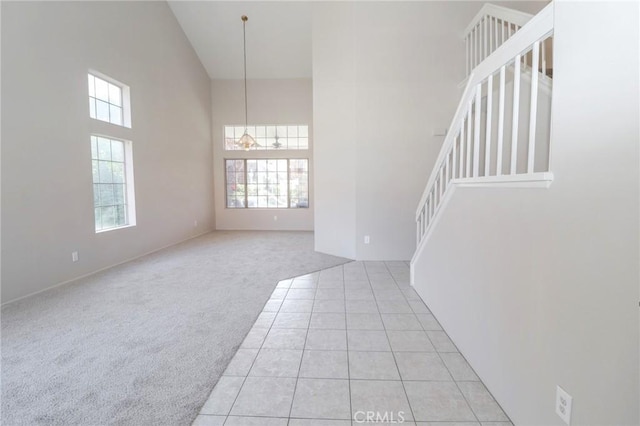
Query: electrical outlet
x: 74, y: 256
x: 195, y: 223
x: 275, y: 218
x: 563, y: 405
x: 367, y: 240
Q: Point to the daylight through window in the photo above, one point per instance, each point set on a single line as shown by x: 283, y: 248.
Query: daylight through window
x: 267, y: 183
x: 111, y: 160
x: 106, y: 101
x: 268, y: 137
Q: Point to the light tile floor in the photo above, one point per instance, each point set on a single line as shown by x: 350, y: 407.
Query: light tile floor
x: 346, y: 346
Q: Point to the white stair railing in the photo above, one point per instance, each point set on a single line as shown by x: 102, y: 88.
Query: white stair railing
x: 480, y: 148
x: 488, y: 30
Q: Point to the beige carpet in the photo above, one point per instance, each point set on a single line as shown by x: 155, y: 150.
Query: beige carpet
x: 145, y: 342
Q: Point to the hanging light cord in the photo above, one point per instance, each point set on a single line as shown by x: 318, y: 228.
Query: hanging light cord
x: 244, y: 48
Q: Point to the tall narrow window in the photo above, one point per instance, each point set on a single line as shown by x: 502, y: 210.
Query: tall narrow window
x: 298, y: 183
x: 113, y: 197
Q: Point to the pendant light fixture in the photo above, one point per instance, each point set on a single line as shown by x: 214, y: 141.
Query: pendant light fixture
x: 246, y: 141
x: 277, y: 143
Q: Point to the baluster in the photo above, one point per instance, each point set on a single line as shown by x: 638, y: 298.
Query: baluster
x: 461, y: 153
x: 535, y: 54
x: 426, y: 214
x: 453, y: 157
x: 431, y: 209
x: 446, y: 172
x: 475, y: 46
x: 476, y: 131
x: 436, y: 184
x: 544, y: 57
x: 516, y: 108
x: 472, y: 63
x: 468, y: 162
x: 425, y: 220
x: 478, y: 40
x: 486, y: 36
x: 441, y: 186
x: 428, y: 211
x: 481, y: 40
x: 436, y: 191
x: 500, y: 122
x: 472, y: 50
x: 466, y: 45
x: 503, y: 25
x: 487, y: 138
x: 494, y: 31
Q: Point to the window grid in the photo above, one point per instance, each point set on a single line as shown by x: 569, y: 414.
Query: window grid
x: 267, y: 183
x: 105, y: 101
x: 268, y: 137
x: 108, y: 160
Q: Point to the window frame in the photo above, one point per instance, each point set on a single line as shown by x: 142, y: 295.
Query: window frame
x: 129, y: 185
x: 246, y: 192
x: 265, y: 146
x: 125, y: 95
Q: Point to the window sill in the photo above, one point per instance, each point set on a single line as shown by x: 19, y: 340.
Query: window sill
x: 267, y: 209
x: 102, y: 231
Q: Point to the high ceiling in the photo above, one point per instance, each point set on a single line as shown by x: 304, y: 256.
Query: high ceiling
x: 278, y: 37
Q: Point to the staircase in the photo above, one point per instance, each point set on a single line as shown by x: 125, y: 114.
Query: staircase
x: 500, y: 133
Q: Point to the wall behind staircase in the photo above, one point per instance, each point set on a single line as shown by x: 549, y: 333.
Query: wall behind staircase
x: 539, y: 287
x: 385, y: 79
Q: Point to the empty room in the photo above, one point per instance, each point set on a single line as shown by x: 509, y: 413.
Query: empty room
x: 320, y: 213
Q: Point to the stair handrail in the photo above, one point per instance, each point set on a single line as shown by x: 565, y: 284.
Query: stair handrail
x: 537, y: 28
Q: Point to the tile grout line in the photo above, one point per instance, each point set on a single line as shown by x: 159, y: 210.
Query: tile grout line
x: 259, y: 350
x: 306, y: 336
x: 383, y: 287
x: 439, y: 357
x: 449, y: 370
x: 445, y: 365
x: 451, y: 374
x: 346, y: 336
x: 406, y: 395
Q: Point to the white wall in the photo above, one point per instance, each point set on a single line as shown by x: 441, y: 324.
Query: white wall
x: 279, y: 101
x: 539, y: 287
x: 335, y: 128
x: 47, y: 49
x: 385, y: 77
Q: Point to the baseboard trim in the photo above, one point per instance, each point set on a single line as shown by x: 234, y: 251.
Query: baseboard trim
x: 105, y: 268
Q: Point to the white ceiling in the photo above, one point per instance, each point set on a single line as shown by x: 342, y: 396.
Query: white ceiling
x: 278, y: 37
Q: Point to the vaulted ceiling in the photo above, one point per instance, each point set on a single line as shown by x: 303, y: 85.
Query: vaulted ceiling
x: 278, y: 37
